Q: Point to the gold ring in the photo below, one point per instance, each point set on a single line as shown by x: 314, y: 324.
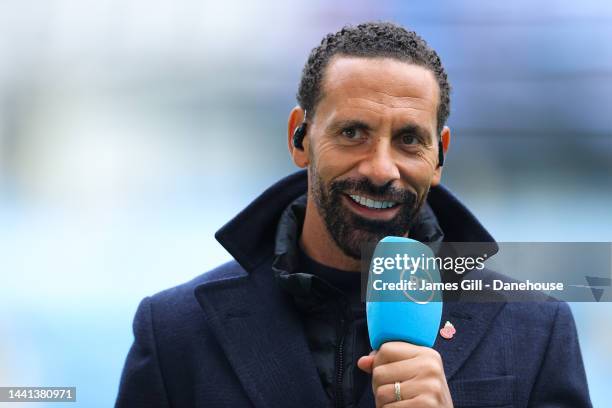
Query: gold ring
x: 398, y: 391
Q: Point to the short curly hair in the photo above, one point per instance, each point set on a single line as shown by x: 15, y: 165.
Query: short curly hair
x: 371, y: 40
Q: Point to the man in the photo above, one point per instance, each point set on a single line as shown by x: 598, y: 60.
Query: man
x: 283, y: 325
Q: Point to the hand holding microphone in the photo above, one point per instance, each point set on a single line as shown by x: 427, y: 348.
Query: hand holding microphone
x: 406, y: 375
x: 406, y: 371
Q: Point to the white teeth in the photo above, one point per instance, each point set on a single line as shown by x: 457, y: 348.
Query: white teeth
x: 368, y: 202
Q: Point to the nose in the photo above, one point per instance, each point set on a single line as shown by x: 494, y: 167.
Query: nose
x: 379, y: 165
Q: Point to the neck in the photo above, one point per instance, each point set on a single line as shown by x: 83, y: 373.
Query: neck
x: 318, y: 244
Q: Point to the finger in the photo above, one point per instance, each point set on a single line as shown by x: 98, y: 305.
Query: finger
x: 385, y: 394
x: 398, y: 371
x: 419, y: 401
x: 409, y: 389
x: 398, y: 350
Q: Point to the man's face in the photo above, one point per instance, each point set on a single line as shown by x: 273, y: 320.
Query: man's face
x: 372, y: 148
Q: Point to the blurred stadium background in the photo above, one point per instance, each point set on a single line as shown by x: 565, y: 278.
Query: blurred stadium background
x: 131, y: 130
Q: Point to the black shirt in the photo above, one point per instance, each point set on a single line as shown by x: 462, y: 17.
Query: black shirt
x: 336, y: 331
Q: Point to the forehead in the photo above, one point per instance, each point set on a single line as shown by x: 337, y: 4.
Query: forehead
x: 383, y: 86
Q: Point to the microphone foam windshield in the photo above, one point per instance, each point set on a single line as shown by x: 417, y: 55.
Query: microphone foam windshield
x: 402, y: 303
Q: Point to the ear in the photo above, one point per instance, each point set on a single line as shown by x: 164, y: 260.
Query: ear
x: 299, y: 156
x: 445, y: 137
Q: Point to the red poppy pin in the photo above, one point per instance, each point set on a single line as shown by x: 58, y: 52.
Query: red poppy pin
x: 448, y: 331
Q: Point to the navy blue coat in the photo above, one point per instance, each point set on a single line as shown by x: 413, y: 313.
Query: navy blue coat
x: 232, y: 338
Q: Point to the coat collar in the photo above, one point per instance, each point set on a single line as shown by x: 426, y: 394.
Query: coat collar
x: 256, y: 322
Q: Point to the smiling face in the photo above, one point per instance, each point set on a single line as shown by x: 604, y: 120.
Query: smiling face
x: 371, y: 149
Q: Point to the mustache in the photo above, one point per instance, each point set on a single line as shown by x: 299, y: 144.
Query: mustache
x: 385, y: 192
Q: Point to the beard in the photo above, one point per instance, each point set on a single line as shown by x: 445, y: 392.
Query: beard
x: 349, y: 230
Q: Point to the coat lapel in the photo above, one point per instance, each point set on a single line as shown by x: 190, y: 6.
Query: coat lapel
x: 471, y: 320
x: 258, y: 328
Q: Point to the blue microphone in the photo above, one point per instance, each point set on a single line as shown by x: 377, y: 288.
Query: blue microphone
x: 402, y: 301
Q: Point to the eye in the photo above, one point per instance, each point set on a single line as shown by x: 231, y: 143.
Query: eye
x: 409, y: 139
x: 351, y: 133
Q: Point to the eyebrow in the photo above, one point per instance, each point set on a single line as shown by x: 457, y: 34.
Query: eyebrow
x: 418, y: 130
x: 412, y: 128
x: 350, y: 123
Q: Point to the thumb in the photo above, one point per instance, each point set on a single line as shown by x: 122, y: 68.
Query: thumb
x: 365, y: 363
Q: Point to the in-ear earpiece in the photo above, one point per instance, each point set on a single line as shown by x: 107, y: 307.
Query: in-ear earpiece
x: 440, y: 154
x: 299, y: 133
x: 298, y: 136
